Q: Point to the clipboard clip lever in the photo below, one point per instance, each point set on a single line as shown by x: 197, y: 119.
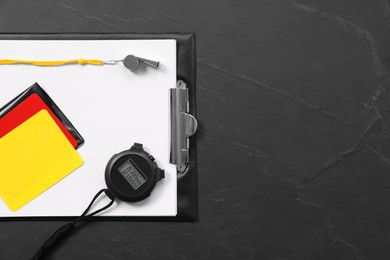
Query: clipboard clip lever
x: 183, y: 126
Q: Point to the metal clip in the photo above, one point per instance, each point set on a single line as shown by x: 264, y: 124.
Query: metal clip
x: 183, y: 125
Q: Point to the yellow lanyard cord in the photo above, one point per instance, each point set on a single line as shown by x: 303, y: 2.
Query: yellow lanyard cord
x: 52, y: 63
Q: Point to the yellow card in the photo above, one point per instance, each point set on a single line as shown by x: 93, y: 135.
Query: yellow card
x: 33, y: 157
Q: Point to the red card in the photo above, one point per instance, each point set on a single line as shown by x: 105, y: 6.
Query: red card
x: 26, y: 109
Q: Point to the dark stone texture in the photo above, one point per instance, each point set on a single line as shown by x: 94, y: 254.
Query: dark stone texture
x: 294, y: 143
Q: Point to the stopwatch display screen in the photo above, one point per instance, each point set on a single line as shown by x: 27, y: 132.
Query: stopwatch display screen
x: 132, y: 175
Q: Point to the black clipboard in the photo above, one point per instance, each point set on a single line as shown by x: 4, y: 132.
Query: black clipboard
x: 187, y: 204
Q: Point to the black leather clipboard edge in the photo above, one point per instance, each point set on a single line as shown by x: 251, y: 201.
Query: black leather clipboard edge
x: 35, y: 88
x: 187, y: 197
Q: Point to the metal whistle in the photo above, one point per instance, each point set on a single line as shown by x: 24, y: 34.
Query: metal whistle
x: 132, y: 62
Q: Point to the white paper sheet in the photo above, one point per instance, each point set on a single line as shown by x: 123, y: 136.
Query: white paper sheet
x: 110, y: 106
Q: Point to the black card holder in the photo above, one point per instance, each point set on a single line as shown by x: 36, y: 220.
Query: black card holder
x: 187, y: 204
x: 36, y: 89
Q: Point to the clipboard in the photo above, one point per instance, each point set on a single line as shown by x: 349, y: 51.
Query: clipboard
x: 183, y: 112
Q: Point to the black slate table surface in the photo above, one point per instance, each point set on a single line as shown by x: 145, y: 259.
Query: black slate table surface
x: 294, y: 144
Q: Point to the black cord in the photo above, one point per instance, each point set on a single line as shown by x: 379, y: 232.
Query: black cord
x: 93, y: 201
x: 66, y: 229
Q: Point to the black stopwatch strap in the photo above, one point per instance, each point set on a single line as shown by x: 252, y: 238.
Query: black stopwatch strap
x: 65, y: 230
x: 109, y: 194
